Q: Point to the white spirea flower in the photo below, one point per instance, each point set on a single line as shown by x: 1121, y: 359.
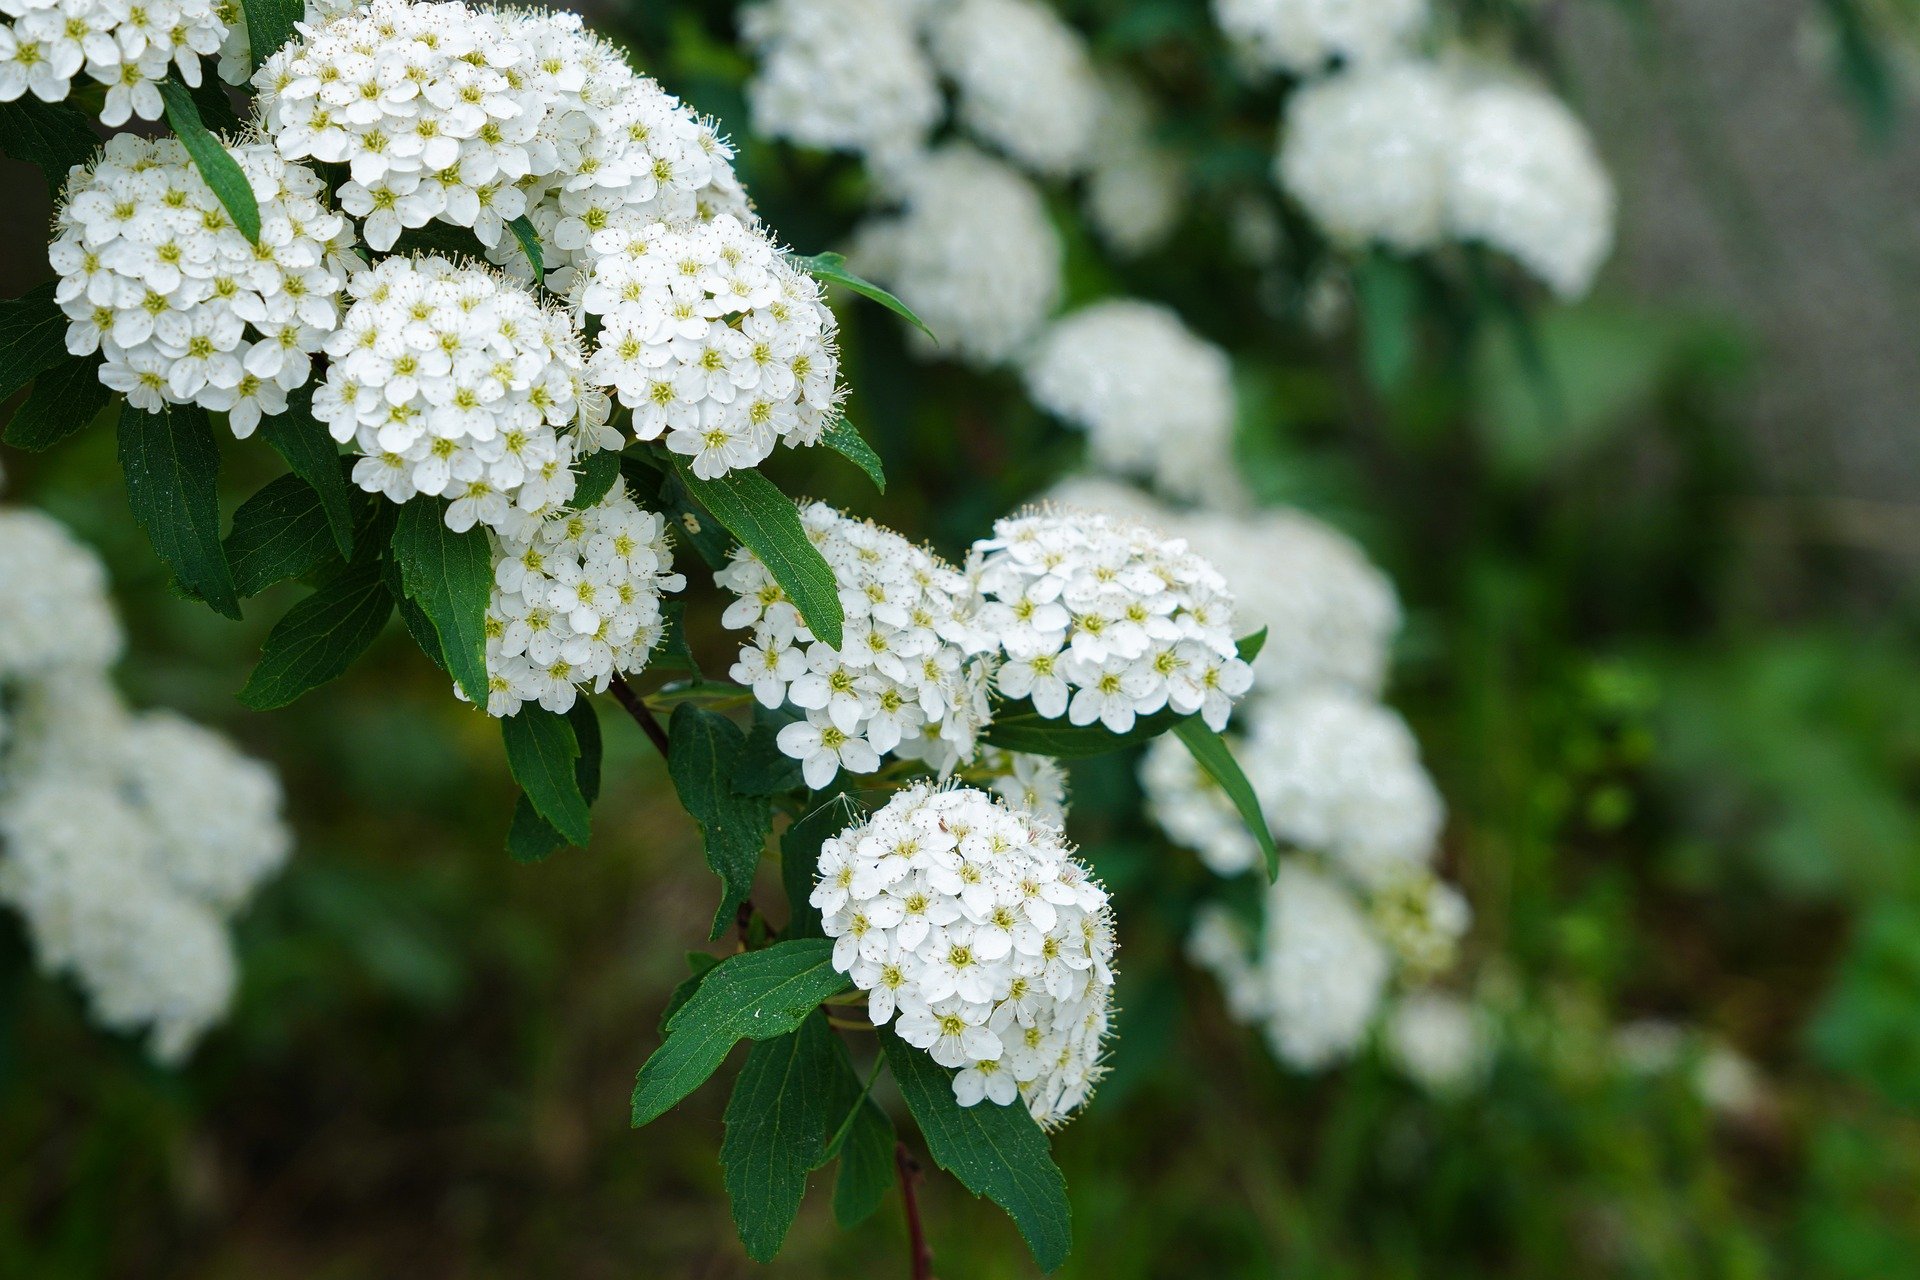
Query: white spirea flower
x: 1442, y: 1042
x: 714, y: 340
x: 236, y: 53
x: 1155, y: 398
x: 841, y: 75
x: 155, y: 276
x: 1034, y: 784
x: 54, y: 610
x: 1523, y: 177
x: 1135, y: 185
x: 904, y: 681
x: 971, y: 250
x: 476, y: 116
x: 1304, y: 35
x: 214, y: 812
x: 451, y: 380
x: 576, y: 599
x: 993, y: 945
x: 1316, y: 978
x: 1025, y: 79
x: 1338, y: 774
x: 1103, y: 621
x: 130, y: 48
x: 1365, y: 153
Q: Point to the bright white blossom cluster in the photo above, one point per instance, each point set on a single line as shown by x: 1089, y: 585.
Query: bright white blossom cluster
x: 451, y: 380
x: 1154, y: 398
x: 126, y: 841
x: 974, y: 930
x: 1302, y: 36
x: 1103, y: 620
x: 130, y: 46
x: 841, y: 75
x: 576, y: 600
x: 1025, y: 80
x: 1135, y: 184
x: 905, y: 679
x: 714, y: 340
x: 476, y: 117
x: 970, y: 249
x: 1410, y: 154
x: 155, y: 276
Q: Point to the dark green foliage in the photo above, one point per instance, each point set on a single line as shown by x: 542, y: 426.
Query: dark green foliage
x: 320, y: 637
x: 768, y: 524
x: 210, y: 156
x: 543, y: 751
x: 777, y: 1125
x: 450, y: 576
x: 65, y: 399
x: 704, y: 751
x: 172, y: 468
x: 532, y: 837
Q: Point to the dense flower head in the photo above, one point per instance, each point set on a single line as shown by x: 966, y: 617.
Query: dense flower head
x: 451, y: 380
x: 128, y: 47
x: 1155, y: 399
x: 1304, y: 35
x: 1135, y: 184
x: 841, y: 75
x: 974, y: 930
x: 1365, y: 153
x: 1315, y: 977
x: 1025, y: 79
x: 475, y: 117
x: 714, y: 340
x: 54, y: 610
x: 1104, y: 620
x: 576, y: 600
x: 905, y: 679
x: 1524, y: 178
x: 970, y: 249
x: 156, y: 277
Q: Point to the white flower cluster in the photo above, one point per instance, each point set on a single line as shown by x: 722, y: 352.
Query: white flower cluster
x: 841, y: 75
x: 1104, y: 620
x: 1410, y: 154
x: 1033, y: 784
x: 576, y: 599
x: 475, y: 117
x: 129, y: 46
x: 156, y: 277
x: 904, y: 680
x: 1135, y: 184
x: 1304, y: 35
x: 714, y: 340
x: 971, y: 250
x: 977, y: 927
x: 126, y: 842
x: 1442, y: 1042
x: 1154, y: 398
x: 452, y: 380
x: 1025, y: 78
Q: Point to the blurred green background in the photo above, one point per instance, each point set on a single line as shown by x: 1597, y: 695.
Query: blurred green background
x: 1656, y: 553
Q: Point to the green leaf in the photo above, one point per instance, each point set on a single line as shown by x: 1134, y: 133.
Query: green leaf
x: 531, y: 837
x: 768, y: 524
x: 270, y: 25
x: 831, y: 268
x: 597, y: 471
x: 450, y: 576
x: 215, y: 162
x: 216, y: 108
x: 1018, y: 727
x: 673, y: 653
x: 701, y: 963
x: 298, y: 437
x: 65, y: 398
x: 707, y: 536
x: 995, y: 1151
x: 866, y: 1165
x: 1389, y: 296
x: 755, y: 995
x: 52, y: 135
x: 845, y: 439
x: 172, y: 467
x: 765, y: 770
x: 418, y: 625
x: 542, y: 749
x: 1210, y: 752
x: 1249, y: 646
x: 828, y: 814
x: 522, y: 228
x: 703, y: 755
x: 319, y: 637
x: 278, y: 533
x: 33, y: 337
x: 776, y: 1131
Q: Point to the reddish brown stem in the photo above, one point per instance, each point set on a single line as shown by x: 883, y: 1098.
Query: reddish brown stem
x: 916, y: 1235
x: 637, y: 708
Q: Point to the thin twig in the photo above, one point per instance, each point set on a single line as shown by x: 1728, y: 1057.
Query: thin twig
x: 636, y: 707
x: 916, y: 1237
